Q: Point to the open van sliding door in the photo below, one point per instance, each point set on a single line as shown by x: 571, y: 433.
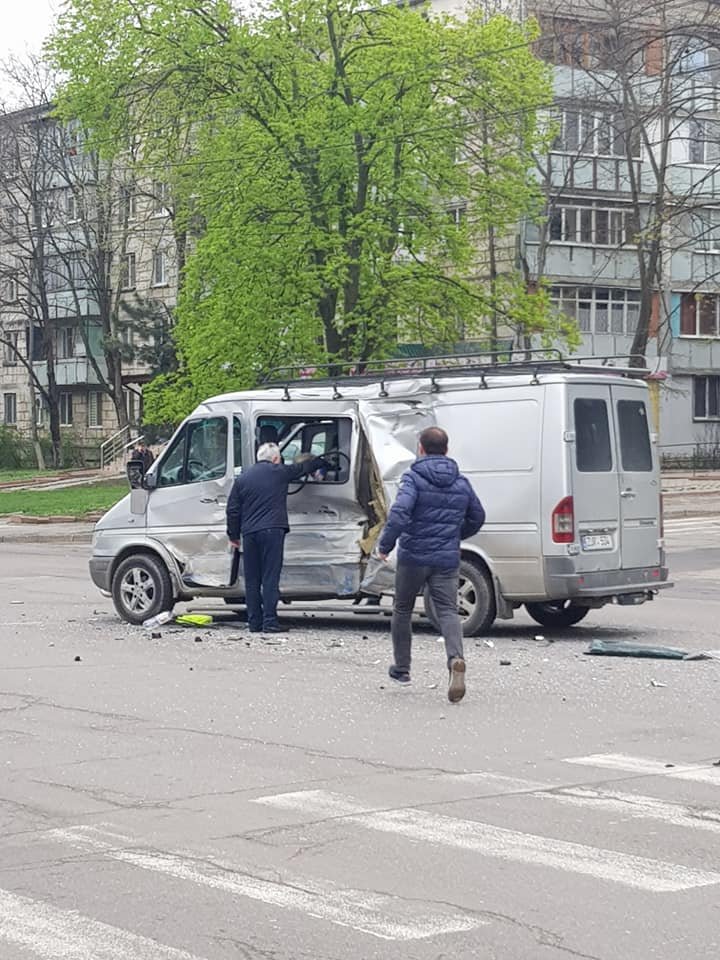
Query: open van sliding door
x: 639, y: 479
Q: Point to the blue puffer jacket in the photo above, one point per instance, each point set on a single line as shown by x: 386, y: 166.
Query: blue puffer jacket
x: 436, y: 508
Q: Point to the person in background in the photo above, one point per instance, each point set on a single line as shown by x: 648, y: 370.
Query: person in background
x: 435, y: 509
x: 257, y: 510
x: 144, y: 453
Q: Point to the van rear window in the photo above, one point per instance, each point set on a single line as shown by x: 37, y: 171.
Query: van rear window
x: 635, y: 447
x: 592, y: 436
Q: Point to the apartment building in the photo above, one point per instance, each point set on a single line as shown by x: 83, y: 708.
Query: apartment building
x: 88, y: 282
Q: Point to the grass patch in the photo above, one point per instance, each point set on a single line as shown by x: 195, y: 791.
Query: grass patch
x: 7, y: 476
x: 68, y: 502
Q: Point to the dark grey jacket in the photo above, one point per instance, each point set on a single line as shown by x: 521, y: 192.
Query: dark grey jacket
x: 258, y: 500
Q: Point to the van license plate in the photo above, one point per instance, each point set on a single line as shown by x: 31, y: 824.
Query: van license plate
x: 597, y: 542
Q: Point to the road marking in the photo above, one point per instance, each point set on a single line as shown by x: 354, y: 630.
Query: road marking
x: 55, y: 934
x: 364, y: 911
x: 501, y: 843
x: 645, y: 808
x: 644, y: 767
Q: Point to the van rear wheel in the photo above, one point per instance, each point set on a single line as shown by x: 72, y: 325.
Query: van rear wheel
x: 557, y: 613
x: 476, y: 601
x: 141, y: 588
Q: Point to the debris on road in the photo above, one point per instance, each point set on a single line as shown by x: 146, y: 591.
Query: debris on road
x: 78, y: 659
x: 194, y: 619
x: 625, y: 648
x: 505, y: 663
x: 156, y: 635
x: 165, y: 616
x: 656, y: 683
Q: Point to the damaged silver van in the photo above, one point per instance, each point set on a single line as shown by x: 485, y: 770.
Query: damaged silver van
x: 561, y: 455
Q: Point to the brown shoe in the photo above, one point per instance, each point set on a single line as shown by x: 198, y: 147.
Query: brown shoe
x: 456, y: 689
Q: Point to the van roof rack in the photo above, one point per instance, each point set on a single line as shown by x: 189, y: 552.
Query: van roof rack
x: 487, y: 363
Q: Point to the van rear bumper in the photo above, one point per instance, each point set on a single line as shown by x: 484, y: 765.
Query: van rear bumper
x: 562, y: 580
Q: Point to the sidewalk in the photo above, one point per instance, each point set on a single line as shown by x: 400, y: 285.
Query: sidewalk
x: 76, y: 532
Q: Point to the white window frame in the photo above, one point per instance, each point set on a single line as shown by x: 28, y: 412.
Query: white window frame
x: 700, y: 139
x: 160, y: 276
x: 10, y: 355
x: 575, y: 217
x: 707, y: 377
x: 40, y: 411
x: 457, y: 213
x: 12, y: 288
x: 65, y: 408
x: 66, y: 343
x: 707, y: 230
x: 72, y: 206
x: 161, y: 194
x: 591, y: 123
x: 697, y: 335
x: 95, y: 409
x: 129, y: 271
x: 586, y: 308
x: 10, y: 404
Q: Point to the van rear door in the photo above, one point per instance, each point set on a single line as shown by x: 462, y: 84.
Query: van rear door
x: 595, y: 478
x: 638, y: 475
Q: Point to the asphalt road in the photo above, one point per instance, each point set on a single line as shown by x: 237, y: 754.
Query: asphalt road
x: 230, y: 799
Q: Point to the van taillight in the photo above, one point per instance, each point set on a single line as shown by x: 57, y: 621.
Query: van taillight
x: 563, y: 521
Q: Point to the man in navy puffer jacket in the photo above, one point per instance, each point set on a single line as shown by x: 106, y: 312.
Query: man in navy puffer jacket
x: 436, y: 508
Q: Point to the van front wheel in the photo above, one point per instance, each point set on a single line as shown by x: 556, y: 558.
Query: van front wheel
x: 141, y: 588
x: 476, y: 601
x: 557, y: 613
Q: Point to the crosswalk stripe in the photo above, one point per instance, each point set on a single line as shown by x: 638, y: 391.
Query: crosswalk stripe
x: 645, y: 767
x: 55, y: 934
x: 632, y: 804
x: 364, y: 911
x: 501, y: 843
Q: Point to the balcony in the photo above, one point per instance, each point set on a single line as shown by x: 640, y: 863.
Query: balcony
x: 71, y: 372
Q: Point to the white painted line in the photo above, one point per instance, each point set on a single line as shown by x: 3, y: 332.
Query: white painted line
x: 55, y: 934
x: 367, y: 912
x: 645, y: 767
x: 501, y: 843
x: 630, y: 804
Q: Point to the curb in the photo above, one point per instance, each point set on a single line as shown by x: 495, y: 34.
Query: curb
x: 47, y: 538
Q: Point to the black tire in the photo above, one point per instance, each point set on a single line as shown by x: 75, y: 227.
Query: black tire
x: 557, y: 613
x: 141, y: 588
x: 476, y: 600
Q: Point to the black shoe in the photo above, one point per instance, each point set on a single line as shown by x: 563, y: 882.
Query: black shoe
x: 401, y: 676
x: 456, y: 687
x: 255, y: 629
x: 275, y: 629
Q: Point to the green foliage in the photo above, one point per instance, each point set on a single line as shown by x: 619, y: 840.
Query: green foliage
x: 14, y: 451
x: 66, y: 502
x: 314, y: 153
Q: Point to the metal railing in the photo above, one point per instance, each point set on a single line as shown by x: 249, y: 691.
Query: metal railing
x: 693, y: 457
x: 116, y: 446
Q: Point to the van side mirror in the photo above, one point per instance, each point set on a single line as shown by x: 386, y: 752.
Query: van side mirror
x: 135, y: 470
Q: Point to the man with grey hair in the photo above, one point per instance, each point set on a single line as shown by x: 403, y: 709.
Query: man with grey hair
x: 257, y: 509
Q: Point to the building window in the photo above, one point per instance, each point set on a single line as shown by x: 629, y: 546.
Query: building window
x: 703, y: 141
x: 160, y: 268
x: 596, y: 133
x: 71, y: 206
x: 128, y: 271
x: 66, y: 343
x: 590, y: 224
x: 128, y: 205
x: 66, y: 409
x: 10, y: 347
x: 706, y: 230
x: 699, y: 315
x: 706, y: 398
x: 161, y: 196
x: 10, y: 221
x: 40, y: 412
x: 603, y: 310
x: 95, y: 412
x: 10, y: 408
x: 457, y: 214
x: 11, y: 289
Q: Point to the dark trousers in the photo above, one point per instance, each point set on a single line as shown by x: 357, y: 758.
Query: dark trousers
x: 262, y: 565
x: 443, y: 588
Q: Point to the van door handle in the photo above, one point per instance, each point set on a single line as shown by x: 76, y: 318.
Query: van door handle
x: 628, y: 493
x: 218, y: 500
x: 328, y: 511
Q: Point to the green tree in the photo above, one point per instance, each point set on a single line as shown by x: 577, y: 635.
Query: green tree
x: 326, y: 163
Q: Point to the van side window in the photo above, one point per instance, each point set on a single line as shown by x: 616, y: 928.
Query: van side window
x: 237, y: 441
x: 635, y: 447
x: 299, y: 437
x: 593, y: 453
x: 198, y: 453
